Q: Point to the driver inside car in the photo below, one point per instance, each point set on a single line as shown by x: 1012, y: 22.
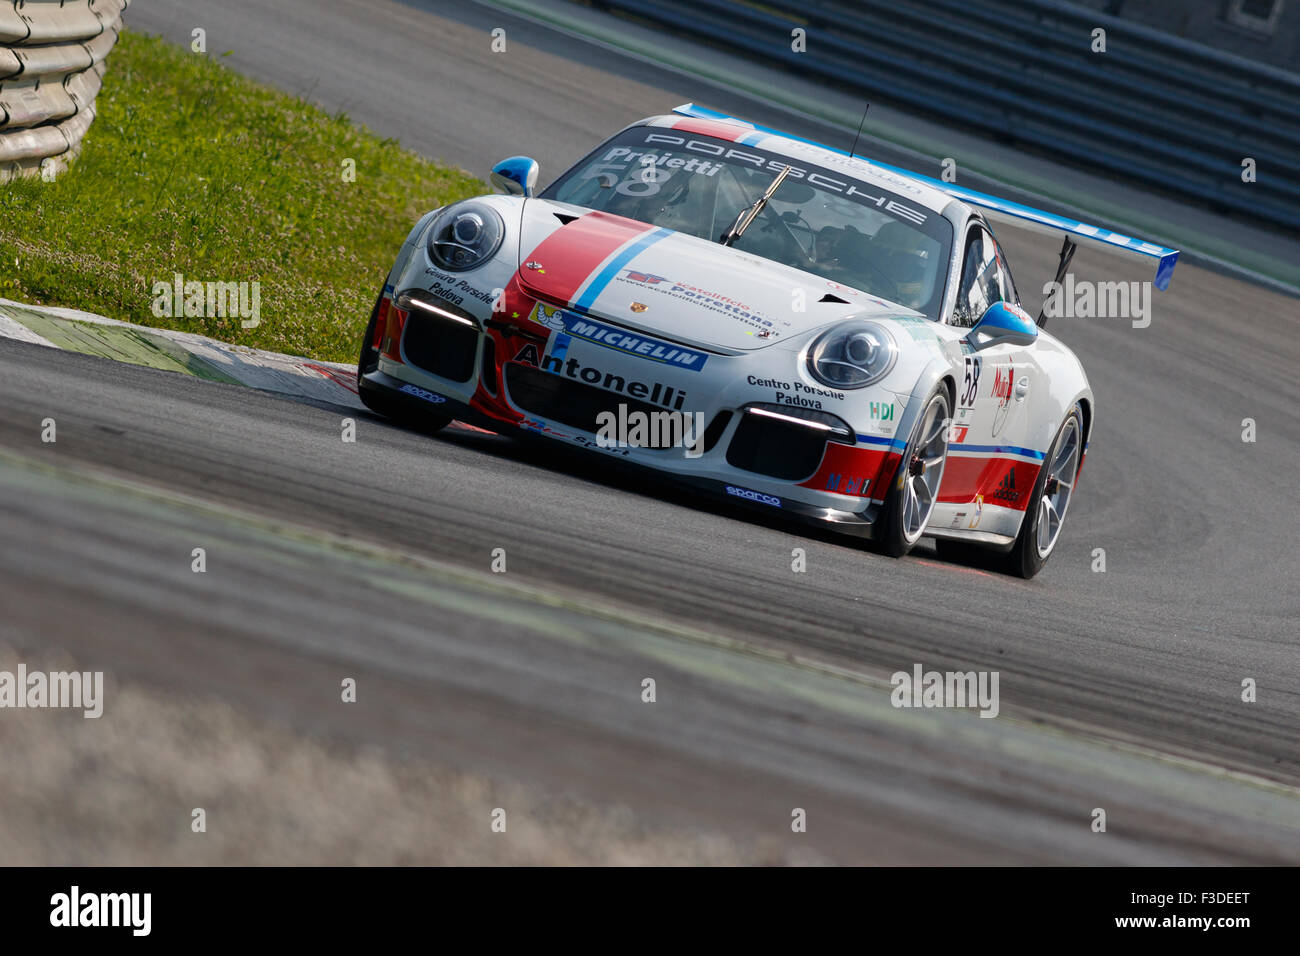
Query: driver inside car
x: 892, y: 264
x: 898, y: 252
x: 661, y: 196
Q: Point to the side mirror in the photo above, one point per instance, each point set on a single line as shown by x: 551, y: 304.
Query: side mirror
x: 1003, y: 322
x: 516, y: 176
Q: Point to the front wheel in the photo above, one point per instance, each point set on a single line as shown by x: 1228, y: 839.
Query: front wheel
x: 1053, y: 491
x: 915, y: 488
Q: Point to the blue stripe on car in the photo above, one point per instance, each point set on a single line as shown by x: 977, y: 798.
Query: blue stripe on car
x: 998, y: 450
x: 606, y: 275
x: 1166, y: 258
x: 897, y: 444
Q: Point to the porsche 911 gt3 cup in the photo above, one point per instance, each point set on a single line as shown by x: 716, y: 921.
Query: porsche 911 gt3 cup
x: 830, y: 337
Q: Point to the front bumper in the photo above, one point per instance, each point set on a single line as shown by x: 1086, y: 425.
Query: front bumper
x: 753, y: 492
x: 766, y: 442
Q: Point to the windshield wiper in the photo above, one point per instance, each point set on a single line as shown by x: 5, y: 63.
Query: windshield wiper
x: 750, y: 212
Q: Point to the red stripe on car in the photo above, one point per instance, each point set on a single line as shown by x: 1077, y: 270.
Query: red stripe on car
x: 381, y: 323
x: 1002, y: 481
x: 391, y: 347
x: 703, y: 127
x: 562, y: 262
x: 859, y: 470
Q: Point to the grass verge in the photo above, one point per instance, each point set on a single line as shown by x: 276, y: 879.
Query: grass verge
x: 190, y: 168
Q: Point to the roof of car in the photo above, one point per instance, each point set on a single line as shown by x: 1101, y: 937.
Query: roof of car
x: 923, y: 189
x: 744, y: 134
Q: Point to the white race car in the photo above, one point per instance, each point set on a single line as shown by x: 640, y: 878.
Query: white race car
x: 760, y: 317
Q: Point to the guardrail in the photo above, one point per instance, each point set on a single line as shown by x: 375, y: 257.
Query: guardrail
x: 1171, y: 114
x: 52, y: 61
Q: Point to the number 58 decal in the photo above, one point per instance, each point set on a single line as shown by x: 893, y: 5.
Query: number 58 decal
x: 970, y: 383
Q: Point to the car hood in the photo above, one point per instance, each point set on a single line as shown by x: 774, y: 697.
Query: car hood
x: 687, y: 289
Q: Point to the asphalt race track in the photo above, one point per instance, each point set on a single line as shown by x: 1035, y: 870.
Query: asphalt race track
x: 1119, y: 689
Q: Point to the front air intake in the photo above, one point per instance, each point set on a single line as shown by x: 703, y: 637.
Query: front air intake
x: 438, y: 337
x: 782, y: 445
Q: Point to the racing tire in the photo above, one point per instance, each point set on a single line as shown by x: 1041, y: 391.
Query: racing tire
x: 1050, y: 501
x: 379, y: 401
x: 915, y: 487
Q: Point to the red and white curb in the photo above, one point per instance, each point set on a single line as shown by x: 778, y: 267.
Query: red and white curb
x: 267, y: 371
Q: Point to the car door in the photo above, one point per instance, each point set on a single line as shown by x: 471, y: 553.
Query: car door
x: 978, y: 411
x: 988, y: 461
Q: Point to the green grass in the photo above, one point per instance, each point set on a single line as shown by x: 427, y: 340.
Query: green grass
x: 192, y: 168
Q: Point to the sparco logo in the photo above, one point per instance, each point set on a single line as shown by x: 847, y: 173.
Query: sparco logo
x: 422, y: 393
x: 753, y: 496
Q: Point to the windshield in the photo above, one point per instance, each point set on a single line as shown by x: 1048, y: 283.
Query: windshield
x: 818, y: 220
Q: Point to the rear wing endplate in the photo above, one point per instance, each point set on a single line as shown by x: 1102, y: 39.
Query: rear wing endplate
x: 999, y: 210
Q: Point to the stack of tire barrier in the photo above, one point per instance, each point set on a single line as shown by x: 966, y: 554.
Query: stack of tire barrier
x: 52, y: 61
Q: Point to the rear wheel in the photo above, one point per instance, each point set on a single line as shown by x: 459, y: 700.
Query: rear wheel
x: 1053, y: 491
x: 915, y: 488
x: 378, y: 400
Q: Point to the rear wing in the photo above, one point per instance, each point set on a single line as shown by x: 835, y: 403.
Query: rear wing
x: 999, y: 210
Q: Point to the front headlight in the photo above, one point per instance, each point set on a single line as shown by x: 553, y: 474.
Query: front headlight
x: 852, y: 355
x: 465, y: 236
